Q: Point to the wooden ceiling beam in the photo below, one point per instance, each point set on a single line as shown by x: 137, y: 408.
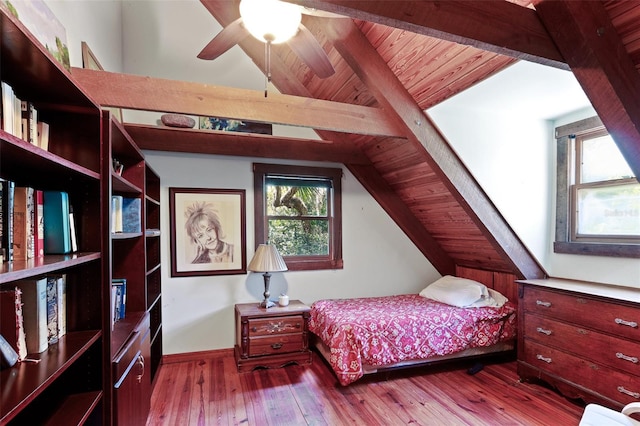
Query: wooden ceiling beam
x: 496, y: 26
x: 155, y: 94
x: 239, y: 144
x: 424, y: 135
x: 584, y: 33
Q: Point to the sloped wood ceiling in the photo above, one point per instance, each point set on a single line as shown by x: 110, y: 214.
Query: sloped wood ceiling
x: 393, y: 60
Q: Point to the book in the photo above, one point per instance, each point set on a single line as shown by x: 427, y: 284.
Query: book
x: 21, y: 223
x: 62, y: 304
x: 57, y: 238
x: 7, y: 107
x: 131, y: 215
x: 29, y: 122
x: 72, y: 231
x: 8, y: 355
x: 39, y: 224
x: 43, y: 135
x: 121, y: 297
x: 31, y: 223
x: 116, y: 213
x: 52, y: 309
x: 11, y: 321
x: 34, y: 300
x: 114, y: 294
x: 6, y: 225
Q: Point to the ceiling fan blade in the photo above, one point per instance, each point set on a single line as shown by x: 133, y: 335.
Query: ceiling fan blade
x: 305, y: 45
x: 230, y: 35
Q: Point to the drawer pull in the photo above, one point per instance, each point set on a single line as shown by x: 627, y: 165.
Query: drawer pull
x: 632, y: 324
x: 545, y: 304
x: 254, y: 329
x: 636, y: 395
x: 276, y: 345
x: 632, y: 359
x: 544, y: 331
x: 543, y: 358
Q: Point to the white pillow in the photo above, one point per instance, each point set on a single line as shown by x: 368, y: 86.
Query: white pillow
x: 495, y: 300
x: 461, y: 292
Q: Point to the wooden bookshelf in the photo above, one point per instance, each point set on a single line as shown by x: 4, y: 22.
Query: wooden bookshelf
x: 70, y: 374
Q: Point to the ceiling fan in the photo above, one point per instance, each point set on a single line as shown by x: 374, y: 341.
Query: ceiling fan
x: 265, y: 20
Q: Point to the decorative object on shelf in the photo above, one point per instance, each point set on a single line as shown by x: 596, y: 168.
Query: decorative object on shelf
x: 178, y: 120
x: 267, y: 260
x: 118, y: 167
x: 90, y: 62
x: 207, y: 231
x: 43, y: 24
x: 228, y: 125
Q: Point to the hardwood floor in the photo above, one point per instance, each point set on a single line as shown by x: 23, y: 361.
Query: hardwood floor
x: 209, y: 391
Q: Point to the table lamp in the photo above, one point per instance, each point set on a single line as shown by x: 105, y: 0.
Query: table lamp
x: 267, y: 260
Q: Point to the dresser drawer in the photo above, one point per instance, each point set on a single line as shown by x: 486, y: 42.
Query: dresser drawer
x: 275, y: 325
x: 615, y: 318
x: 269, y: 345
x: 598, y: 379
x: 598, y: 347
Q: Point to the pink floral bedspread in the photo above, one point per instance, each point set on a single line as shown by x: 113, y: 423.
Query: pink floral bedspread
x: 380, y: 331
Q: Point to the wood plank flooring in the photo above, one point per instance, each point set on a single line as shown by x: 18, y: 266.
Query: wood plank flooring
x: 209, y: 391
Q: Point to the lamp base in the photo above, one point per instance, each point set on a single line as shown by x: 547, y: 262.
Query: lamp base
x: 266, y: 303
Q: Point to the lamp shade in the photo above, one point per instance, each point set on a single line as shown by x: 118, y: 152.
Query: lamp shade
x: 267, y: 259
x: 270, y: 20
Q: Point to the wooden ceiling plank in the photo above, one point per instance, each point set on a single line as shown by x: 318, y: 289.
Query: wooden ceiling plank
x: 593, y: 49
x: 428, y: 142
x: 213, y: 142
x: 494, y: 25
x: 154, y: 94
x: 369, y: 177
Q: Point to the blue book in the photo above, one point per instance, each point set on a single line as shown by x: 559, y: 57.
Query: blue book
x: 131, y: 215
x: 57, y: 238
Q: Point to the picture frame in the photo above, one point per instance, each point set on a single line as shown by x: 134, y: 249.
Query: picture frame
x: 208, y: 231
x: 90, y: 62
x: 229, y: 125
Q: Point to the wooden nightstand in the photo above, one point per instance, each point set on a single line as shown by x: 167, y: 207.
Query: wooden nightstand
x: 273, y: 337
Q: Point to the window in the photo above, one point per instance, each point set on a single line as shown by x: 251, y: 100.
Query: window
x: 299, y: 210
x: 598, y: 197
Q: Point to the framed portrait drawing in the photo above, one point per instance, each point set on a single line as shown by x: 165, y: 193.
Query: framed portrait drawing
x: 207, y: 231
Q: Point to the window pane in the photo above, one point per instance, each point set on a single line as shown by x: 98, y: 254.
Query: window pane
x: 609, y: 210
x: 602, y: 160
x: 296, y: 200
x: 300, y: 237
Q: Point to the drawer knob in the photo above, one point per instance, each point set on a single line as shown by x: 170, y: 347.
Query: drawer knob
x: 276, y: 345
x: 631, y: 324
x: 545, y: 304
x: 636, y: 395
x: 632, y: 359
x: 254, y: 329
x: 543, y: 358
x: 544, y: 331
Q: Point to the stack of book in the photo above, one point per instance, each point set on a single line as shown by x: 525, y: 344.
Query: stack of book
x: 20, y: 118
x: 34, y: 314
x: 34, y: 223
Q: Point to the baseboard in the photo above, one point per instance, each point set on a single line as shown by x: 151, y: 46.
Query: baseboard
x: 194, y: 356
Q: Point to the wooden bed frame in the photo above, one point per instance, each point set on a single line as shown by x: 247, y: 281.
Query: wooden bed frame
x: 499, y: 281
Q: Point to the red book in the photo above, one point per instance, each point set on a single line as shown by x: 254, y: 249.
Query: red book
x: 39, y: 222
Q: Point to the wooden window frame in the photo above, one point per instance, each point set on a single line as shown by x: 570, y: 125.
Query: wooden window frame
x: 261, y: 171
x: 568, y: 169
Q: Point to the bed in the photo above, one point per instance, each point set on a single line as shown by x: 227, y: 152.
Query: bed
x: 364, y: 335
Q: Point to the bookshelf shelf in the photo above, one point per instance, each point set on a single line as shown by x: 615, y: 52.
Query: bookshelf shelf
x: 18, y: 270
x: 26, y: 381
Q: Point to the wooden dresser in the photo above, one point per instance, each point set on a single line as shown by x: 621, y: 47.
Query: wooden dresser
x: 579, y: 341
x: 271, y: 337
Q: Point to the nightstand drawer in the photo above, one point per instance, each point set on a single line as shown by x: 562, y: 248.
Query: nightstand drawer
x: 275, y: 344
x: 275, y: 325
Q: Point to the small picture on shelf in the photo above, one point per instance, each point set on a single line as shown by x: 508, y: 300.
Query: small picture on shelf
x: 228, y: 125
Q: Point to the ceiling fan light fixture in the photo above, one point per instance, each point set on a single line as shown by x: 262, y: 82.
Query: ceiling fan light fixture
x: 270, y: 20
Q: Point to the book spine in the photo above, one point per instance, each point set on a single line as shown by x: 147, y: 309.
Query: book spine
x: 20, y: 223
x: 62, y: 304
x: 52, y: 310
x: 7, y: 207
x: 39, y: 224
x: 56, y: 223
x: 116, y: 213
x: 31, y: 223
x: 34, y: 299
x: 131, y: 215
